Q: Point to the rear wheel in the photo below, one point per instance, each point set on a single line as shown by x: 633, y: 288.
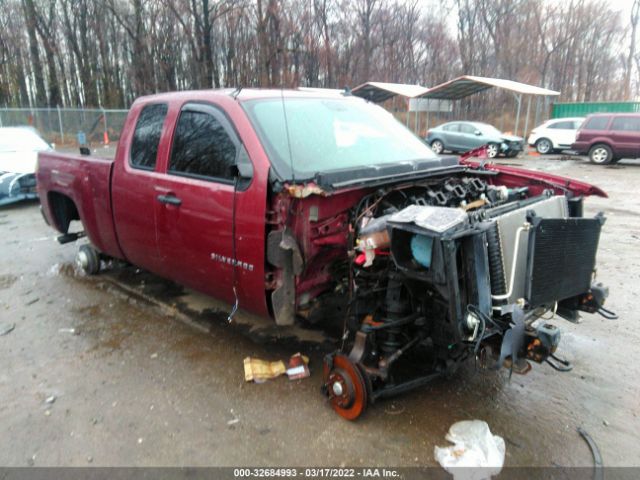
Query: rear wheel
x: 88, y: 260
x: 544, y: 146
x: 492, y: 150
x: 601, y: 154
x: 437, y: 146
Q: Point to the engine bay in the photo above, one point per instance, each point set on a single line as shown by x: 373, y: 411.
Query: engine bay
x: 454, y: 268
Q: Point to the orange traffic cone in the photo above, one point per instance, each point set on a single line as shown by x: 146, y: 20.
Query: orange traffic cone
x: 106, y: 138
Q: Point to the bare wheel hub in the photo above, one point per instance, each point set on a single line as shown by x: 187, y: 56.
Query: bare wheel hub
x: 82, y: 260
x: 345, y: 386
x: 341, y: 389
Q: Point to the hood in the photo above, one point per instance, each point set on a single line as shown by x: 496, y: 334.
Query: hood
x: 18, y: 162
x: 511, y: 138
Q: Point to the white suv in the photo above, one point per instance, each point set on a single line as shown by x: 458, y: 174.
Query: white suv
x: 556, y: 134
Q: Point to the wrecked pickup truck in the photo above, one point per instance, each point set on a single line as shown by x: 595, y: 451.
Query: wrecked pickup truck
x: 321, y: 209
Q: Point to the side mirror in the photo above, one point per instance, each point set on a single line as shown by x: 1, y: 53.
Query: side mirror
x: 243, y: 169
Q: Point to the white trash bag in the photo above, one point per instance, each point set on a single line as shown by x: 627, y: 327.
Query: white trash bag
x: 477, y: 454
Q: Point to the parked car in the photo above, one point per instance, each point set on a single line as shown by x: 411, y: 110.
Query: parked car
x: 608, y: 137
x: 465, y: 136
x: 19, y: 148
x: 323, y: 209
x: 554, y: 135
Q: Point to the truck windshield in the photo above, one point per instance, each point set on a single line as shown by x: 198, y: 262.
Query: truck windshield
x: 327, y: 134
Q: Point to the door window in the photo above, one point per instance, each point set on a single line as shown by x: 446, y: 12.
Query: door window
x: 562, y: 125
x: 202, y: 148
x: 626, y: 124
x: 596, y: 123
x: 146, y: 137
x: 468, y: 129
x: 454, y: 127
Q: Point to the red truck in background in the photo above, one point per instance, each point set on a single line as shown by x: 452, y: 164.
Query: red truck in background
x: 321, y: 208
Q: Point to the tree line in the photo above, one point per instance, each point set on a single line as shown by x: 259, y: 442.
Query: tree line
x: 105, y: 53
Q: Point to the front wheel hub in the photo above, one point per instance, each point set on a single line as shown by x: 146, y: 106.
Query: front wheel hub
x: 345, y: 386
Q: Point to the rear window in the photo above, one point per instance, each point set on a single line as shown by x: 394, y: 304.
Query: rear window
x: 596, y: 123
x: 626, y: 124
x: 146, y: 137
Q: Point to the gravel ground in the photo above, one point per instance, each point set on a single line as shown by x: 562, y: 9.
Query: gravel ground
x: 125, y: 369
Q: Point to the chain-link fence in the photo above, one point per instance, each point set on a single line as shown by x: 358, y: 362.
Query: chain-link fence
x: 68, y: 126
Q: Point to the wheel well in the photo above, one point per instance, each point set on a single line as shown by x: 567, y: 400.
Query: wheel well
x: 63, y: 209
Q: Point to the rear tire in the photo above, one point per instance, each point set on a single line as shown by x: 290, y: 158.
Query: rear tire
x: 437, y: 146
x: 544, y: 146
x: 88, y: 260
x: 601, y: 154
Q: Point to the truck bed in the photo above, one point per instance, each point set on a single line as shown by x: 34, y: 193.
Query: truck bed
x: 78, y: 187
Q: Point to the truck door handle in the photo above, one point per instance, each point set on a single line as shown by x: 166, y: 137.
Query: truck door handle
x: 170, y: 199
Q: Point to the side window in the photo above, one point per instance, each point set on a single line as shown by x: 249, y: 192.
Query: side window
x: 562, y: 125
x: 577, y: 124
x: 202, y: 147
x: 626, y: 124
x: 596, y: 123
x: 146, y: 137
x: 454, y: 127
x: 466, y: 128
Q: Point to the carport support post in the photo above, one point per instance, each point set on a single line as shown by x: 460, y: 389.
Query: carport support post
x: 60, y: 124
x: 408, y: 110
x: 526, y: 120
x: 519, y: 102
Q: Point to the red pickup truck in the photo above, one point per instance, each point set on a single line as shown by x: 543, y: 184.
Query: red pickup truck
x: 321, y: 208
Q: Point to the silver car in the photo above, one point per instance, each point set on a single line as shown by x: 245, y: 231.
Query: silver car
x: 465, y: 136
x: 19, y: 147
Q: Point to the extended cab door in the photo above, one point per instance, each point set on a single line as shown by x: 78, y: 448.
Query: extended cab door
x: 132, y: 186
x: 194, y: 202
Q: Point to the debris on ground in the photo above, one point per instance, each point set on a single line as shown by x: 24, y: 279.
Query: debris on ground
x: 6, y: 328
x: 598, y: 464
x: 261, y: 370
x: 31, y: 302
x: 298, y: 367
x: 72, y: 331
x: 50, y: 399
x: 473, y: 446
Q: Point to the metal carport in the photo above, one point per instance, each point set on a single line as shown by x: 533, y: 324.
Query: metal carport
x: 467, y: 85
x: 379, y: 92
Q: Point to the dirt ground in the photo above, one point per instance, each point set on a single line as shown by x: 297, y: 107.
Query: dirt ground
x: 126, y: 369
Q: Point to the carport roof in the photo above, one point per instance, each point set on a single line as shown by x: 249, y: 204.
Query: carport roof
x: 380, y: 91
x: 468, y: 85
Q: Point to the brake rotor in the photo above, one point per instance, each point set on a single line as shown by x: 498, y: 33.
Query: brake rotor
x: 346, y: 387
